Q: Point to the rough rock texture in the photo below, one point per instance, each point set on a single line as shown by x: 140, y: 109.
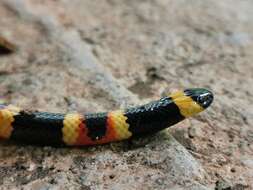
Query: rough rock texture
x: 98, y: 55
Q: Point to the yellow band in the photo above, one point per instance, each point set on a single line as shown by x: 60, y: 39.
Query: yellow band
x: 70, y: 130
x: 187, y: 106
x: 120, y: 125
x: 6, y: 118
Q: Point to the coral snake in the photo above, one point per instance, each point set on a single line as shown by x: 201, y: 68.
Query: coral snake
x: 44, y: 128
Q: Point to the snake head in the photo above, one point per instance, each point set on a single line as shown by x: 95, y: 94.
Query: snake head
x: 202, y: 96
x: 192, y: 101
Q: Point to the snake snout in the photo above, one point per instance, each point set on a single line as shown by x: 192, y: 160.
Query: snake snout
x: 202, y: 96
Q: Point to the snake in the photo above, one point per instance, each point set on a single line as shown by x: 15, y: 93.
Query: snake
x: 78, y: 129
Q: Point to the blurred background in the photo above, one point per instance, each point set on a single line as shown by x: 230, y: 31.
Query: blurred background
x: 61, y: 55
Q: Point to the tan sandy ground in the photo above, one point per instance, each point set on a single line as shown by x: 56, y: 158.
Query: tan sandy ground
x: 98, y: 55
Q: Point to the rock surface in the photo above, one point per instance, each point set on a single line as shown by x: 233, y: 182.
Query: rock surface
x: 99, y: 55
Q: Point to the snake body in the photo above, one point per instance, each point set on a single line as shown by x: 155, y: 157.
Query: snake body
x: 77, y: 129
